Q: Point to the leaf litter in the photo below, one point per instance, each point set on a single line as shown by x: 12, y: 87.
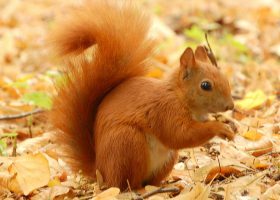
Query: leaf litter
x: 245, y: 40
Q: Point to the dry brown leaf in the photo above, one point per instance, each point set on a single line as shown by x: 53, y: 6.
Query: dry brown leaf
x: 51, y: 193
x: 272, y: 193
x: 63, y: 176
x: 221, y: 172
x: 199, y: 192
x: 27, y: 173
x: 5, y: 179
x: 109, y: 194
x: 156, y: 197
x: 34, y: 144
x: 260, y: 147
x: 228, y: 151
x: 248, y: 183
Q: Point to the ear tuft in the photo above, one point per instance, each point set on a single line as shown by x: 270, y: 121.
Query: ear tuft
x: 187, y: 59
x: 201, y: 54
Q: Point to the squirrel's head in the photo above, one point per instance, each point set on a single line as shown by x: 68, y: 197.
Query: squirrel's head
x: 201, y: 83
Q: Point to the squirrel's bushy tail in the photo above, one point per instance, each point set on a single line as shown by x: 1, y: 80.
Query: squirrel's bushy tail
x: 119, y: 32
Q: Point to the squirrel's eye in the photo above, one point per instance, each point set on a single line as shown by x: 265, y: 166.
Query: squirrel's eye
x: 206, y: 85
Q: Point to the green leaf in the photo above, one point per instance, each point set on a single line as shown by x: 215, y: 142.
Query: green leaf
x: 240, y: 48
x: 19, y: 84
x: 195, y: 33
x: 53, y: 74
x: 8, y: 135
x: 40, y: 99
x: 3, y: 147
x: 158, y: 9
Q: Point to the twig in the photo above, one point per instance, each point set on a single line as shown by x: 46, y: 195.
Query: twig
x: 29, y: 124
x: 21, y: 115
x: 220, y: 169
x: 157, y: 191
x: 14, y: 153
x: 193, y: 157
x: 269, y: 153
x: 211, y: 55
x: 128, y: 185
x: 129, y: 189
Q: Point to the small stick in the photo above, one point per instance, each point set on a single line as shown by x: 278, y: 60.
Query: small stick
x: 21, y: 115
x: 219, y: 164
x: 128, y: 185
x: 157, y: 191
x: 14, y: 153
x: 210, y: 54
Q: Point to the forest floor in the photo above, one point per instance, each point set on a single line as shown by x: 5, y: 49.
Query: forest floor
x: 245, y: 37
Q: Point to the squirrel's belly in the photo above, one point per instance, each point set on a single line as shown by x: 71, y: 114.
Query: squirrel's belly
x: 158, y: 155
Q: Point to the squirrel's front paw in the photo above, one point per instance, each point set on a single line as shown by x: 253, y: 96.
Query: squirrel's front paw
x: 224, y: 131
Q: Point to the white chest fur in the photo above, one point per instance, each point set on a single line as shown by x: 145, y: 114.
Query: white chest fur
x: 159, y: 154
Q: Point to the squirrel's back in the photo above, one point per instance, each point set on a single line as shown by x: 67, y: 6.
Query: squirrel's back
x: 119, y: 31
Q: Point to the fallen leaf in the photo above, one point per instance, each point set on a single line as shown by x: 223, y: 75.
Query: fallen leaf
x: 63, y: 176
x: 260, y: 147
x: 41, y: 99
x: 51, y: 193
x: 228, y: 151
x: 156, y: 197
x: 54, y: 182
x: 271, y: 193
x: 108, y: 194
x: 27, y: 173
x: 253, y: 100
x: 199, y: 192
x: 221, y: 172
x: 252, y: 135
x: 261, y: 166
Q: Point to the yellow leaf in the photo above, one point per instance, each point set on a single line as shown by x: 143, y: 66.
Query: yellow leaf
x: 30, y: 172
x: 25, y: 77
x: 252, y: 135
x: 54, y: 182
x: 253, y: 100
x: 261, y: 166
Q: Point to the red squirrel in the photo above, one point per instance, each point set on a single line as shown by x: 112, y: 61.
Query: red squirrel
x: 111, y: 117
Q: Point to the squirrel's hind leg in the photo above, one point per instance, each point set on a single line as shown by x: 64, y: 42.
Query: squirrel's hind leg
x: 121, y: 157
x: 165, y: 170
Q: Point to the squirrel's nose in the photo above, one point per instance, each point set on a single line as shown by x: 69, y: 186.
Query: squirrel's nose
x: 230, y: 106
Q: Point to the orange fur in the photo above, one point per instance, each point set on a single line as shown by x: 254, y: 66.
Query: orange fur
x: 112, y: 118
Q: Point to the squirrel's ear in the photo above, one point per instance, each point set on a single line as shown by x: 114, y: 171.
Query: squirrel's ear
x: 201, y: 54
x: 187, y: 59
